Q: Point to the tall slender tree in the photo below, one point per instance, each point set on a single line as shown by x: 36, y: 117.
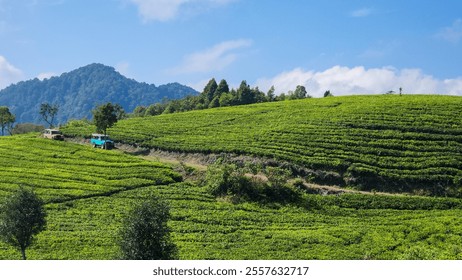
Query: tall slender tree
x: 223, y: 87
x: 270, y: 96
x: 48, y: 113
x: 6, y: 119
x: 244, y: 94
x: 209, y: 90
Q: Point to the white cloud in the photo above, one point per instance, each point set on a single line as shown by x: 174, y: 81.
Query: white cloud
x: 359, y: 80
x: 165, y: 10
x: 161, y: 10
x: 8, y: 73
x: 364, y: 12
x: 46, y: 75
x: 453, y: 33
x: 216, y: 58
x: 123, y: 68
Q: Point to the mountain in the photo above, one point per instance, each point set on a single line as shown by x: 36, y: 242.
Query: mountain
x: 81, y: 90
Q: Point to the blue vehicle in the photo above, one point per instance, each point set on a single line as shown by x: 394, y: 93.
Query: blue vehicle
x: 101, y: 141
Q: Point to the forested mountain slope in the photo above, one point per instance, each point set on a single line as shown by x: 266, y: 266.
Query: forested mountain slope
x: 81, y: 90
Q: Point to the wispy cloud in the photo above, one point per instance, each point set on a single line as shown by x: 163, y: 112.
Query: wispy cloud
x: 45, y: 75
x: 359, y: 80
x: 380, y: 50
x: 453, y: 33
x: 165, y: 10
x: 123, y: 68
x: 363, y: 12
x: 8, y: 73
x: 215, y: 58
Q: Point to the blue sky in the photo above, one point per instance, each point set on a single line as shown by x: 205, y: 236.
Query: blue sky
x: 348, y: 47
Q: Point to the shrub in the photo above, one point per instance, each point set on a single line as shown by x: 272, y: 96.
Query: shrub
x: 145, y: 234
x: 228, y: 180
x: 21, y: 217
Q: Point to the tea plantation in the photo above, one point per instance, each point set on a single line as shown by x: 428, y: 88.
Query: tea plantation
x: 87, y: 191
x: 389, y: 143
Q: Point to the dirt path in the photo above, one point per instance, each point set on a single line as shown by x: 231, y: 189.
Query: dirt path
x: 200, y: 162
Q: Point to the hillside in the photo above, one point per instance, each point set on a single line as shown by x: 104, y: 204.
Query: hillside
x: 79, y: 91
x: 385, y: 143
x: 87, y: 192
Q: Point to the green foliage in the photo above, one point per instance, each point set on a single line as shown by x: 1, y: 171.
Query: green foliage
x: 155, y: 109
x: 300, y: 92
x: 270, y: 96
x: 397, y: 202
x: 229, y: 180
x: 6, y: 119
x: 222, y: 88
x: 105, y: 116
x: 244, y: 94
x: 23, y: 128
x: 48, y: 113
x: 139, y: 111
x: 209, y: 91
x: 22, y: 217
x: 228, y: 99
x: 145, y: 234
x: 214, y: 95
x: 327, y: 93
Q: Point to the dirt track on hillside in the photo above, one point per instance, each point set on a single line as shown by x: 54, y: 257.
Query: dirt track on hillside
x: 201, y: 161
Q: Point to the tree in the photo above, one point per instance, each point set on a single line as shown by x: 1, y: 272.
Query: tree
x: 300, y: 92
x: 258, y: 95
x: 222, y: 88
x: 228, y: 99
x: 139, y: 111
x: 155, y: 109
x: 209, y: 90
x: 105, y: 116
x: 270, y: 96
x: 48, y: 113
x: 120, y: 112
x: 6, y: 119
x: 21, y: 217
x: 327, y: 93
x: 244, y: 94
x: 215, y: 102
x: 23, y: 128
x: 145, y: 234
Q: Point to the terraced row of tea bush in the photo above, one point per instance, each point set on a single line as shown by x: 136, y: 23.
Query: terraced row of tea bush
x: 87, y: 191
x: 61, y: 171
x: 385, y: 143
x: 204, y: 228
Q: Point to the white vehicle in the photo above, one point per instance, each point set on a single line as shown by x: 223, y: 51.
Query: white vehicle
x: 54, y: 134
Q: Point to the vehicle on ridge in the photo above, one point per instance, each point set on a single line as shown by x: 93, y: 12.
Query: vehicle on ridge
x: 101, y: 141
x: 53, y: 134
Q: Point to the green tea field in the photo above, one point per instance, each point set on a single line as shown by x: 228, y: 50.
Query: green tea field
x: 87, y: 191
x: 389, y: 143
